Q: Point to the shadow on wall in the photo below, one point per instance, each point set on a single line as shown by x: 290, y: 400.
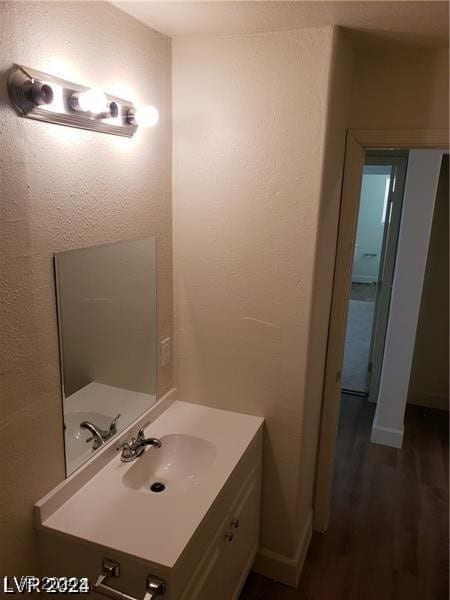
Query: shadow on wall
x: 429, y: 384
x: 4, y: 98
x: 403, y: 89
x: 275, y: 501
x: 24, y: 384
x: 330, y: 197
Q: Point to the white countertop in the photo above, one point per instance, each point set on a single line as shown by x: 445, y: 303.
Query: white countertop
x: 156, y: 527
x: 99, y: 397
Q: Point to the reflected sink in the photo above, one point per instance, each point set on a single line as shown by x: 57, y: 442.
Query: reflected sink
x: 180, y: 464
x: 78, y: 449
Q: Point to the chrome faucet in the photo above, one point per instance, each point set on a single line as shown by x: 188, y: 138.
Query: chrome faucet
x: 99, y: 436
x: 131, y: 451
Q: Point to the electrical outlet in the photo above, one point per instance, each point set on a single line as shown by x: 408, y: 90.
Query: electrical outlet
x: 165, y: 351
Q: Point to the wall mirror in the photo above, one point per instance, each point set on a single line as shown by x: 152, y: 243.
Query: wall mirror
x: 106, y: 300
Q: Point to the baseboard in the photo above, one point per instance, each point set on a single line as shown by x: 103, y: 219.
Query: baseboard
x: 429, y: 400
x: 282, y: 568
x: 387, y: 436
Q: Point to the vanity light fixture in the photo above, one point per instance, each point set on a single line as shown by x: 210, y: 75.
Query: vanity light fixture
x: 32, y: 94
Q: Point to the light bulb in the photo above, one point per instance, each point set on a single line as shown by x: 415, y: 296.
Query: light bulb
x: 147, y: 116
x: 58, y: 99
x: 93, y: 101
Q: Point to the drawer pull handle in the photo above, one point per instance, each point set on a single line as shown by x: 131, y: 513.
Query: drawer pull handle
x: 111, y: 568
x: 155, y: 587
x: 235, y: 523
x: 229, y: 536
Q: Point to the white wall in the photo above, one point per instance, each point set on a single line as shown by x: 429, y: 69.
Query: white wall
x: 417, y: 215
x: 369, y: 235
x: 64, y: 188
x: 250, y: 120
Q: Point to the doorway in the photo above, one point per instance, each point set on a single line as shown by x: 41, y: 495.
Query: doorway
x: 379, y: 213
x: 358, y: 142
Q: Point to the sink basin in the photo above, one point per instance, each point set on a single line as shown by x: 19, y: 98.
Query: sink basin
x: 179, y: 465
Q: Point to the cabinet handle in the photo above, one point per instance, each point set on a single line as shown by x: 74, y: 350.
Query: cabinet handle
x: 235, y: 523
x: 111, y: 568
x: 155, y: 587
x: 229, y: 536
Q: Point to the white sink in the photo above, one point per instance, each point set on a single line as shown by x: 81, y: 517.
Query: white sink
x: 180, y: 464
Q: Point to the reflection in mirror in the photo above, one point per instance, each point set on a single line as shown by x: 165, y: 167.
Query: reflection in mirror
x: 106, y: 298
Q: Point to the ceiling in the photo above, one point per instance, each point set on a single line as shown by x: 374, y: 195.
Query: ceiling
x: 424, y: 23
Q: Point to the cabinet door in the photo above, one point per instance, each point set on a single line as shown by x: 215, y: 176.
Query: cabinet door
x: 244, y: 522
x: 221, y: 573
x: 209, y: 579
x: 212, y: 583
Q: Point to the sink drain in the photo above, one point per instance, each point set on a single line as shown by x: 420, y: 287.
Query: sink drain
x: 157, y: 487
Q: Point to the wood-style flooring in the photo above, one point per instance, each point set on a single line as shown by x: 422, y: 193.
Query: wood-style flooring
x: 388, y: 535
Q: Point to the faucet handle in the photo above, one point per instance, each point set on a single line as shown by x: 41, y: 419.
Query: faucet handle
x: 140, y: 434
x: 113, y: 425
x: 127, y: 452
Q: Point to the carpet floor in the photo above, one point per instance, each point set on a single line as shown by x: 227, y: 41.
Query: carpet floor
x: 357, y: 346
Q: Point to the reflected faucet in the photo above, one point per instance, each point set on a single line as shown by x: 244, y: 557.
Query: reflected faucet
x: 99, y: 436
x: 137, y: 446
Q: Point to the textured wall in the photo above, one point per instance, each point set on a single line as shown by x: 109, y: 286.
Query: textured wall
x: 255, y: 224
x: 63, y: 188
x: 400, y: 90
x: 249, y: 130
x: 429, y: 373
x: 325, y: 249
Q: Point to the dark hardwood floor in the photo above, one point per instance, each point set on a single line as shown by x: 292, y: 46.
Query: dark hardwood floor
x: 388, y: 535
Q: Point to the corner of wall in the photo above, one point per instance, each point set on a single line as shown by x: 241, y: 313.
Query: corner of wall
x: 339, y: 88
x: 281, y: 568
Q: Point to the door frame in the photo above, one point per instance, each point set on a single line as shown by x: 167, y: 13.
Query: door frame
x: 358, y: 141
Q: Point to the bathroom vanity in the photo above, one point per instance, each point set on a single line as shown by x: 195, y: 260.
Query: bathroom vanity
x: 198, y: 532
